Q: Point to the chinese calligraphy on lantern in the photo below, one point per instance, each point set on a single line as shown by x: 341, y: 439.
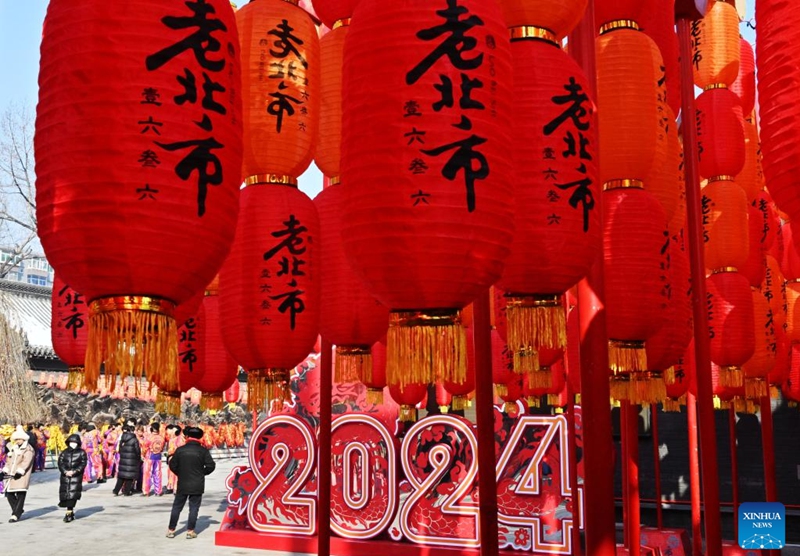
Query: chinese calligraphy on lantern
x: 285, y: 260
x: 283, y: 65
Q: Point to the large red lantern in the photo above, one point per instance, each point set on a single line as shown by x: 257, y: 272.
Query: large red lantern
x: 634, y: 236
x: 779, y: 31
x: 269, y: 288
x: 220, y: 369
x: 350, y: 317
x: 138, y: 158
x: 715, y: 45
x: 69, y: 330
x: 425, y: 138
x: 720, y: 134
x: 730, y: 321
x: 557, y: 228
x: 725, y: 227
x: 658, y: 21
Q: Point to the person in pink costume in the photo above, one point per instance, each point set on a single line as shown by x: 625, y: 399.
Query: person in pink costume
x: 151, y: 456
x: 174, y: 441
x: 94, y: 453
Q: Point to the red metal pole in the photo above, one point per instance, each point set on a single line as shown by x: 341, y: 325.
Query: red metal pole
x: 657, y: 465
x: 705, y: 395
x: 324, y: 449
x: 694, y: 475
x: 623, y: 464
x: 573, y: 473
x: 632, y: 462
x: 734, y: 469
x: 598, y: 446
x: 768, y: 450
x: 484, y: 413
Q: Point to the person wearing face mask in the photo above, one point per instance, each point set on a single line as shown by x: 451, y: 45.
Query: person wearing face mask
x: 18, y: 468
x: 71, y: 464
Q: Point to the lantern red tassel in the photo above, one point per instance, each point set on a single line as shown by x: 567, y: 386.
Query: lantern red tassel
x: 439, y: 245
x: 730, y: 309
x: 140, y: 227
x: 69, y: 330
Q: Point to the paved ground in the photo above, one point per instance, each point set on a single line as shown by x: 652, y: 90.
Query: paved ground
x: 107, y: 525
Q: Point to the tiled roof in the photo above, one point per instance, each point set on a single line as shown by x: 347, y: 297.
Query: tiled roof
x: 28, y: 308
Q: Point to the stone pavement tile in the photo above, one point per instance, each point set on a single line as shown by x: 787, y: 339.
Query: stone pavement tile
x: 106, y: 525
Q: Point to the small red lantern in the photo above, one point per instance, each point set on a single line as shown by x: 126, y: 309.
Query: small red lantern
x: 69, y: 330
x: 683, y: 377
x: 376, y: 383
x: 408, y: 397
x: 502, y: 364
x: 332, y: 12
x: 232, y: 392
x: 730, y: 321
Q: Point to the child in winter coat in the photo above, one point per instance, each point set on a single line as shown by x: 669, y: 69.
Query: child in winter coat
x: 71, y: 464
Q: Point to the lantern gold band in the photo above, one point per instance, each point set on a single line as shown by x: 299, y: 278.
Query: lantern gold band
x: 270, y: 179
x: 627, y: 344
x: 720, y: 178
x: 724, y: 269
x: 344, y: 22
x: 639, y: 375
x: 132, y: 303
x: 715, y: 86
x: 619, y: 24
x: 353, y: 350
x: 532, y: 300
x: 623, y: 184
x: 531, y: 32
x: 270, y: 375
x: 336, y: 180
x: 429, y: 317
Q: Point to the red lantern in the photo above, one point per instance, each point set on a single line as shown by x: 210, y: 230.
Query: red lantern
x: 720, y: 134
x: 443, y: 398
x: 328, y: 153
x: 408, y: 397
x: 439, y: 245
x: 664, y: 349
x: 757, y: 368
x: 663, y: 181
x: 512, y: 394
x: 232, y: 392
x: 220, y: 368
x: 557, y: 229
x: 779, y: 31
x: 791, y: 387
x: 499, y: 312
x: 774, y: 291
x: 269, y: 288
x: 730, y: 321
x: 140, y: 227
x: 350, y: 317
x: 751, y: 178
x: 69, y: 330
x: 783, y: 359
x: 658, y: 21
x: 790, y: 262
x: 715, y: 46
x: 502, y: 364
x: 551, y: 17
x: 333, y: 11
x: 725, y: 226
x: 557, y: 393
x: 634, y: 238
x: 764, y: 223
x: 377, y: 381
x: 683, y: 377
x: 745, y: 85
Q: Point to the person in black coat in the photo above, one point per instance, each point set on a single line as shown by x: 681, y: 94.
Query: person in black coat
x: 71, y: 463
x: 191, y: 463
x: 130, y: 460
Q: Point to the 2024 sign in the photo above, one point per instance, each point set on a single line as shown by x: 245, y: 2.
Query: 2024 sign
x: 436, y: 500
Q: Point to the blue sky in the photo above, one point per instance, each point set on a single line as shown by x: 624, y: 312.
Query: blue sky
x: 20, y: 35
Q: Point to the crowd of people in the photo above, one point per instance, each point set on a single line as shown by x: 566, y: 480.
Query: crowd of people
x: 131, y: 453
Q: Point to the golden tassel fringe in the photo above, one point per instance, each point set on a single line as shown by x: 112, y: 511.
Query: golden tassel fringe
x: 353, y: 364
x: 132, y: 335
x: 627, y: 357
x: 424, y: 347
x: 578, y: 399
x: 444, y: 409
x: 533, y: 401
x: 731, y: 377
x: 673, y: 406
x: 169, y: 403
x: 755, y: 388
x: 526, y: 360
x: 408, y: 414
x: 554, y: 400
x: 510, y: 407
x: 75, y: 379
x: 211, y: 402
x: 774, y: 392
x: 721, y: 404
x: 638, y: 388
x: 500, y: 390
x: 460, y: 403
x: 267, y: 389
x: 541, y: 379
x: 536, y: 321
x: 793, y: 404
x: 375, y: 396
x: 669, y: 376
